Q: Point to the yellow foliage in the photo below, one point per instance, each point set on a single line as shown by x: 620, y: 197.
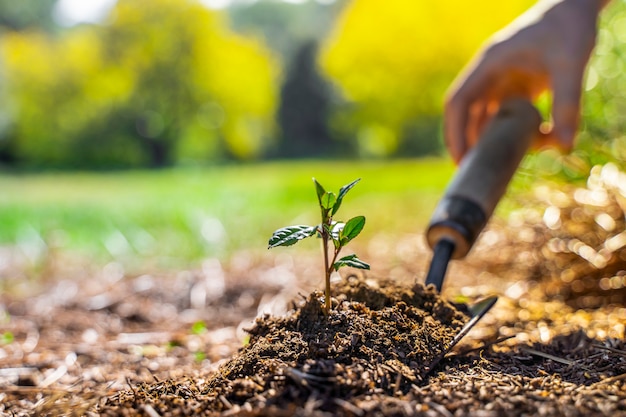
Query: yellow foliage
x: 243, y: 136
x: 230, y: 72
x: 175, y: 59
x: 395, y: 60
x: 31, y: 52
x: 377, y: 140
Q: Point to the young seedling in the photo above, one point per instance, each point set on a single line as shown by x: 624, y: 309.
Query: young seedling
x: 329, y: 230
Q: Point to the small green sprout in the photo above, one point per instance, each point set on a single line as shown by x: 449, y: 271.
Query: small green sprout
x: 6, y: 338
x: 199, y: 327
x: 329, y: 230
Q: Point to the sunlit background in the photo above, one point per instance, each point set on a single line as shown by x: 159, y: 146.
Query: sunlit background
x: 150, y: 148
x: 179, y: 129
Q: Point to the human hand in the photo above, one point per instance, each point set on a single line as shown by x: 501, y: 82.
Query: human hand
x: 546, y: 48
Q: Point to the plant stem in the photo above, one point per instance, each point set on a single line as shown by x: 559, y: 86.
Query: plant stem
x: 329, y: 272
x: 330, y: 265
x: 327, y: 267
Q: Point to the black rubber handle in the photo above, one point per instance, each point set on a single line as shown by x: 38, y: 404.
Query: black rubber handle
x: 483, y: 176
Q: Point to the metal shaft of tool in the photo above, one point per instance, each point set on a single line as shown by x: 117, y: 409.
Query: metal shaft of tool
x: 439, y: 264
x: 477, y: 312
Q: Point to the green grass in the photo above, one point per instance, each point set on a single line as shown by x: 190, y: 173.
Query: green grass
x: 181, y: 215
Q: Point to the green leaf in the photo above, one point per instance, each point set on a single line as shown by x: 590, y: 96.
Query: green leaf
x: 328, y: 200
x: 342, y: 193
x: 352, y: 229
x: 320, y: 191
x: 290, y: 235
x: 351, y: 261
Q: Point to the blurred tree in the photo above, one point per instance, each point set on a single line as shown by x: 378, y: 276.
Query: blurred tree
x: 304, y: 105
x: 394, y: 62
x: 162, y: 81
x: 21, y: 14
x: 603, y: 135
x: 294, y: 30
x: 284, y: 25
x: 43, y: 88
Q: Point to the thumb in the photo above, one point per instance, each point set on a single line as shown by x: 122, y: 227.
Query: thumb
x: 566, y: 109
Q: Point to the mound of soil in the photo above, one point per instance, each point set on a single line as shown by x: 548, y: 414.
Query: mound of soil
x: 379, y: 339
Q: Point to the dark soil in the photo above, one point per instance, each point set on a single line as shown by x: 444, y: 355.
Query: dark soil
x: 380, y: 339
x: 132, y: 348
x: 372, y: 356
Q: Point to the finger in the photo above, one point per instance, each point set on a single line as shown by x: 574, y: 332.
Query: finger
x: 456, y: 114
x: 471, y: 87
x: 567, y: 90
x: 478, y: 116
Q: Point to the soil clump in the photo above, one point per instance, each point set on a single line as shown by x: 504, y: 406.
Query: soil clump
x: 379, y: 338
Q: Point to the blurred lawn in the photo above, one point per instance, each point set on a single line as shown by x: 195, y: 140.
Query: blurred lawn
x: 180, y: 215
